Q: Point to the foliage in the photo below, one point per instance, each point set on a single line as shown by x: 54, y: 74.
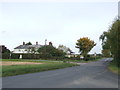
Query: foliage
x: 48, y: 51
x: 32, y: 50
x: 4, y: 49
x: 112, y: 67
x: 25, y: 56
x: 65, y: 49
x: 15, y: 56
x: 5, y: 56
x: 106, y: 53
x: 111, y: 40
x: 5, y: 52
x: 29, y: 43
x: 85, y: 45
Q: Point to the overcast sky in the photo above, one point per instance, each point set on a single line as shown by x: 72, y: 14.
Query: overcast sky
x: 61, y: 23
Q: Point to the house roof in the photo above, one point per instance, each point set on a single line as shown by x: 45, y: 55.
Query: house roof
x: 28, y: 46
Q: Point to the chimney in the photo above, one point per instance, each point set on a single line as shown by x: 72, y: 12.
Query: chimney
x: 50, y: 43
x: 36, y: 43
x: 45, y: 41
x: 23, y: 43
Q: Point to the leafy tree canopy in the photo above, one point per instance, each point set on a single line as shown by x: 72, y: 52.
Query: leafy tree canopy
x: 111, y: 40
x: 29, y: 43
x: 51, y: 51
x: 65, y: 49
x: 85, y: 45
x: 4, y: 49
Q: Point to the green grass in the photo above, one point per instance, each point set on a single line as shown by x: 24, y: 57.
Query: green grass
x: 112, y: 67
x: 50, y: 61
x: 24, y: 69
x: 83, y: 61
x: 48, y: 65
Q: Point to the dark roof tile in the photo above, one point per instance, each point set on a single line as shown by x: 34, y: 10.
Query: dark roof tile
x: 28, y: 46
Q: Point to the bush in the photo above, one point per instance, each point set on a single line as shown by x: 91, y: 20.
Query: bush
x: 5, y: 55
x: 15, y: 56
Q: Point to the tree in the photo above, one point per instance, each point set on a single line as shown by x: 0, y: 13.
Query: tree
x: 111, y: 40
x: 4, y: 49
x: 106, y: 52
x: 29, y: 43
x: 85, y: 45
x: 50, y: 51
x: 65, y: 49
x: 31, y: 52
x: 5, y: 53
x: 106, y: 46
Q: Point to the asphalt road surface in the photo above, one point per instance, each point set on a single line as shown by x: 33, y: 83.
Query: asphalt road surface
x: 90, y: 75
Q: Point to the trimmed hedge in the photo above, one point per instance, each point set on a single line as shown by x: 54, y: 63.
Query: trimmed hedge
x: 25, y: 56
x: 34, y: 56
x: 5, y: 55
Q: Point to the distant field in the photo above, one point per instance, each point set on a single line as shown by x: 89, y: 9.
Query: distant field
x: 17, y: 67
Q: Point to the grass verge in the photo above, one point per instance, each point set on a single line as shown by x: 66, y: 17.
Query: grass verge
x: 83, y: 61
x: 64, y: 60
x: 48, y: 65
x: 12, y: 70
x: 112, y: 67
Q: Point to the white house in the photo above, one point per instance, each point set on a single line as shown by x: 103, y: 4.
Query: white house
x: 27, y: 48
x: 65, y: 49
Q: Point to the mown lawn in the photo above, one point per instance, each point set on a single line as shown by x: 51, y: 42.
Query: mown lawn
x: 37, y: 60
x: 12, y: 70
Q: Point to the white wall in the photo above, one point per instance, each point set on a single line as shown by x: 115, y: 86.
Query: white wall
x: 20, y: 51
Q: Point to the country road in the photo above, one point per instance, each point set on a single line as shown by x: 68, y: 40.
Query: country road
x: 90, y: 75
